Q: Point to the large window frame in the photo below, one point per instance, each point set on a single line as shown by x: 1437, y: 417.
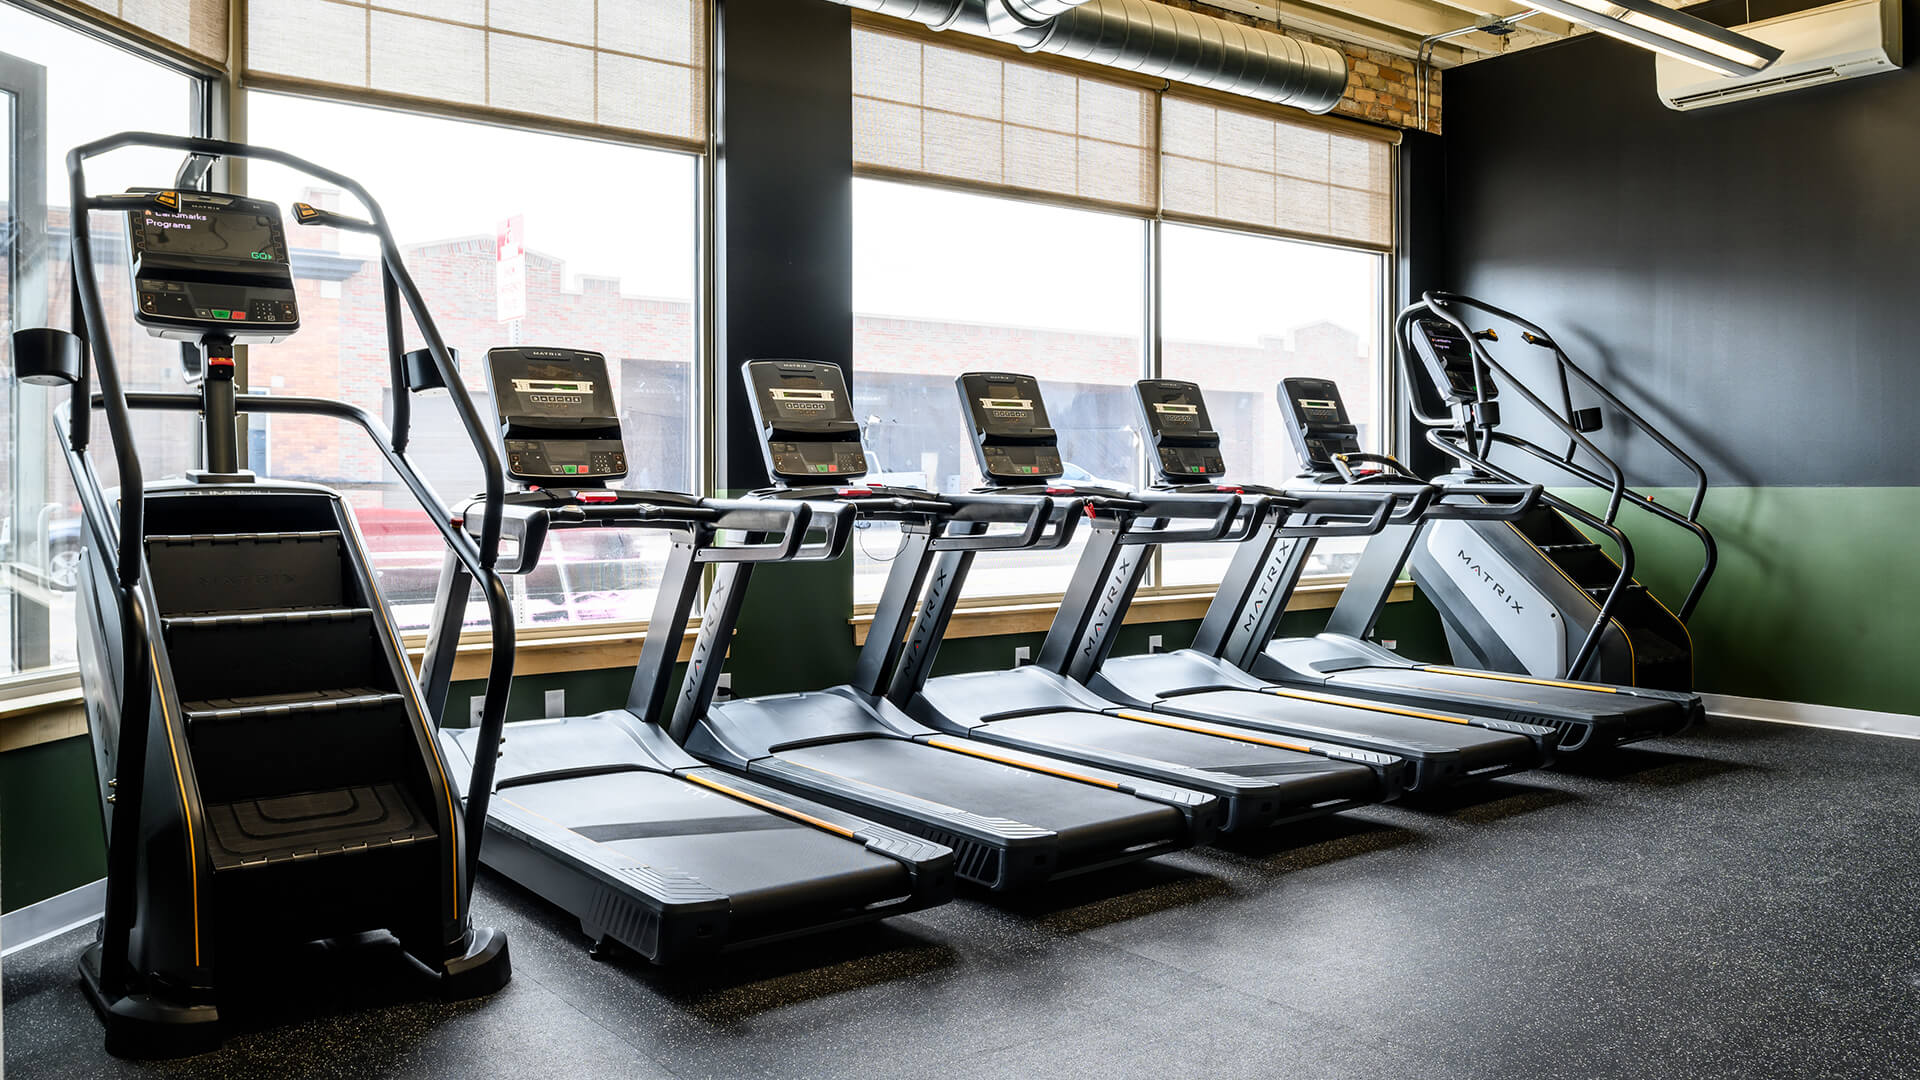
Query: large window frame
x: 34, y: 438
x: 1174, y: 601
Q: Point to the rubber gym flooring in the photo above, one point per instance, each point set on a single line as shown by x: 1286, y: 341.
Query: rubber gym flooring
x: 1744, y: 902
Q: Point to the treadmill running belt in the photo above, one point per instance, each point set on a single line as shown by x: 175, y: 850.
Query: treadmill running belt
x: 765, y: 862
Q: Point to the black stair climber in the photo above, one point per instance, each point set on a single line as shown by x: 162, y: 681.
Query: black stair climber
x: 297, y: 721
x: 1660, y: 659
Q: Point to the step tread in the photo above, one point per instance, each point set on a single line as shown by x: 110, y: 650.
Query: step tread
x: 242, y: 537
x: 260, y: 832
x: 205, y: 620
x: 300, y: 702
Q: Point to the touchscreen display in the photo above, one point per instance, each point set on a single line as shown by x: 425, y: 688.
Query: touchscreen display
x: 209, y: 234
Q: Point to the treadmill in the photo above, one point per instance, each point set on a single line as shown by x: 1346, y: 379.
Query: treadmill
x: 1014, y: 818
x: 1439, y: 749
x: 1264, y: 779
x: 1342, y: 659
x: 603, y: 815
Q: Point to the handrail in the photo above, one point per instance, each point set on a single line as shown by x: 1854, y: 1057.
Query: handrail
x: 1480, y: 438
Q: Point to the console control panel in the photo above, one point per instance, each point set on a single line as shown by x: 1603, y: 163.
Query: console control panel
x: 558, y: 419
x: 1317, y: 422
x: 1012, y: 438
x: 1185, y: 447
x: 805, y: 414
x: 1448, y: 356
x: 211, y: 263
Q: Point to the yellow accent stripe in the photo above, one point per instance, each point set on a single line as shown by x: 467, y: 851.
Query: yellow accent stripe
x: 1350, y: 703
x: 179, y: 779
x: 1235, y: 736
x: 971, y: 751
x: 768, y: 804
x: 351, y: 531
x: 1597, y: 688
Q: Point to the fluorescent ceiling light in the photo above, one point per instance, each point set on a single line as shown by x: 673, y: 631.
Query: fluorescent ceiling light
x: 1674, y: 33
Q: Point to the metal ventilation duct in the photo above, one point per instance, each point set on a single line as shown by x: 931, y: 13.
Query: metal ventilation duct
x: 1149, y: 38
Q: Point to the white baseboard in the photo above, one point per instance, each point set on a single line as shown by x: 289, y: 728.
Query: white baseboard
x: 52, y: 917
x: 1896, y: 725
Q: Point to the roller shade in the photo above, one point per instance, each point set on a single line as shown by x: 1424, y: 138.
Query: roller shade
x: 924, y: 110
x: 1225, y: 166
x: 628, y: 67
x: 196, y: 27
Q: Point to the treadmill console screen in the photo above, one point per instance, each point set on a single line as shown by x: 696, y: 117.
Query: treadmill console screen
x: 209, y: 263
x: 1185, y: 446
x: 1317, y: 422
x: 805, y: 415
x: 558, y: 421
x: 1448, y: 356
x: 1012, y: 440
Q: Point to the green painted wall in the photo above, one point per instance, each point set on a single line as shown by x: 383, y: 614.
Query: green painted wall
x: 50, y: 836
x: 1812, y: 599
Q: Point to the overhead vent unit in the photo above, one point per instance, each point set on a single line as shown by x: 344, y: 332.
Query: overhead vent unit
x: 1821, y: 45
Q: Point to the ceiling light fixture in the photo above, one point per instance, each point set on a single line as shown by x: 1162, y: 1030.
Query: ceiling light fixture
x: 1672, y: 33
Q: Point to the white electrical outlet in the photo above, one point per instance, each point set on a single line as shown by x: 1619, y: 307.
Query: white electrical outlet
x: 474, y: 705
x: 1389, y: 644
x: 556, y: 704
x: 1022, y: 655
x: 1155, y: 643
x: 724, y: 688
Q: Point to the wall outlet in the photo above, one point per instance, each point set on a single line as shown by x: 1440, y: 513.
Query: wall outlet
x: 1022, y: 655
x: 556, y: 704
x: 474, y: 705
x: 1389, y: 644
x: 1156, y: 643
x: 723, y: 691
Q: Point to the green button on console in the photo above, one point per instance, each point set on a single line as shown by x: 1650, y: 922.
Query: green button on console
x: 222, y: 313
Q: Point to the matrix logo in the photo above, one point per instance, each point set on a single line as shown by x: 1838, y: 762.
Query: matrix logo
x: 1117, y: 588
x: 1499, y: 590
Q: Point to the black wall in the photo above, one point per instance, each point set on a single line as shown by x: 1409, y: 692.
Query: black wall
x: 1749, y: 273
x: 785, y: 243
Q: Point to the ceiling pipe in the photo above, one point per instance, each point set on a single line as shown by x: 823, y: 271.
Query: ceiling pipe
x: 1147, y: 38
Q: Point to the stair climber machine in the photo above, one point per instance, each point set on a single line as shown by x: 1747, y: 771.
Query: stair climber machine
x: 1442, y: 748
x: 1344, y: 659
x: 269, y: 776
x: 1014, y: 817
x: 1263, y: 779
x: 604, y: 815
x: 1581, y: 614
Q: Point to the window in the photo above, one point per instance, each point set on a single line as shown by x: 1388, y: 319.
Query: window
x: 1238, y: 314
x: 1069, y: 308
x: 60, y: 87
x: 610, y: 236
x: 1263, y: 238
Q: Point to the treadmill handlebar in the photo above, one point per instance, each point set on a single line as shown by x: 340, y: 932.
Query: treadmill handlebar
x: 1046, y: 521
x: 1219, y: 511
x: 780, y: 526
x: 1497, y: 502
x: 1335, y: 513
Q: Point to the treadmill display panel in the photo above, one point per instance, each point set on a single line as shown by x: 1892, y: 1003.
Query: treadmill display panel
x: 1186, y: 448
x: 1317, y: 422
x: 805, y: 415
x: 1013, y: 441
x: 558, y: 418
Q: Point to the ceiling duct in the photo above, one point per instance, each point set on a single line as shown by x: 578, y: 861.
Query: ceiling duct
x: 1147, y: 38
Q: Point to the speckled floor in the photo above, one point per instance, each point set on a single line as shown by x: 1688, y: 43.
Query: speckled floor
x: 1743, y: 903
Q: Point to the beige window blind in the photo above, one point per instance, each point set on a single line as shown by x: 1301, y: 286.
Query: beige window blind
x: 199, y: 27
x: 623, y: 66
x: 1246, y: 168
x: 924, y: 110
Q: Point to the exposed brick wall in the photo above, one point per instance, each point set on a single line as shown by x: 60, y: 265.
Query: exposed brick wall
x: 1381, y: 86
